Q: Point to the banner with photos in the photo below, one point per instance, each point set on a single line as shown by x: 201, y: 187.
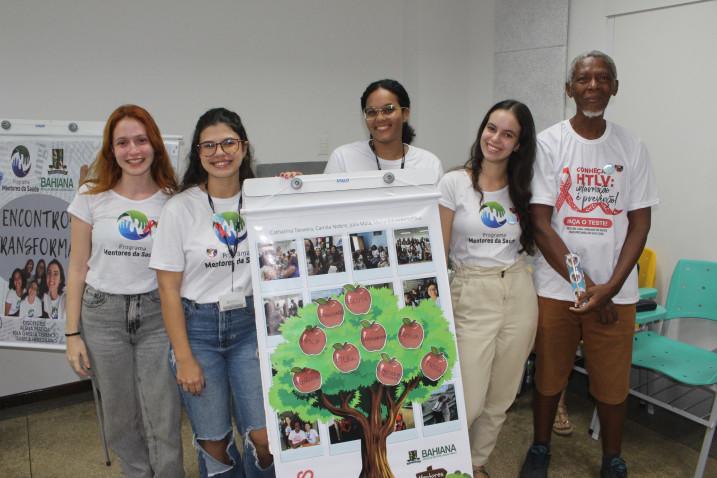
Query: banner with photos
x: 39, y: 175
x: 355, y: 327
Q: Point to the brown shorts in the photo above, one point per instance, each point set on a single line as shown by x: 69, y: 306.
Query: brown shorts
x: 607, y: 349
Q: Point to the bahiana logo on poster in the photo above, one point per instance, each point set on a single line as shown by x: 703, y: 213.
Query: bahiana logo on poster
x: 39, y: 177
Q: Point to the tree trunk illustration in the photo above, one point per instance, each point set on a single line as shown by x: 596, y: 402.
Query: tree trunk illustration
x: 374, y: 457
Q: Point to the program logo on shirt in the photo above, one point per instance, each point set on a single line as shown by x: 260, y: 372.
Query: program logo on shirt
x: 494, y: 215
x: 134, y: 225
x: 229, y: 227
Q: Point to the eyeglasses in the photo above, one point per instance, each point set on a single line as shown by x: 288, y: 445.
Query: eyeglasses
x: 228, y: 145
x: 388, y: 110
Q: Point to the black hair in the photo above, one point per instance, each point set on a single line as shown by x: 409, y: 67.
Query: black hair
x: 195, y: 173
x: 61, y: 287
x: 408, y: 133
x: 520, y: 168
x: 11, y: 282
x: 27, y: 290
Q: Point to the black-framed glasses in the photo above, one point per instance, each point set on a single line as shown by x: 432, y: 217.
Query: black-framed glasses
x: 228, y: 145
x: 387, y: 110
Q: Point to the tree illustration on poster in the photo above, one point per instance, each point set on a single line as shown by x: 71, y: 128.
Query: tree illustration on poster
x: 359, y: 355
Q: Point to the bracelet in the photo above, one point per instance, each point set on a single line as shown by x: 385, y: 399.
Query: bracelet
x: 72, y: 334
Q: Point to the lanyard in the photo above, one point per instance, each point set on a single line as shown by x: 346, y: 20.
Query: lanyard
x: 378, y: 165
x: 231, y: 249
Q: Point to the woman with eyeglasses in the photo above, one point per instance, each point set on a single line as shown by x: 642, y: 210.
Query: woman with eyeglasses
x: 487, y: 230
x: 386, y: 108
x: 202, y: 262
x: 114, y: 324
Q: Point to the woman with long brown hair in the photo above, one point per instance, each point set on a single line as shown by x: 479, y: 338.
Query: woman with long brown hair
x: 114, y: 322
x: 487, y: 230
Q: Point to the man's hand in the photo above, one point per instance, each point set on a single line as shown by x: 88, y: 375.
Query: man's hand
x: 597, y: 298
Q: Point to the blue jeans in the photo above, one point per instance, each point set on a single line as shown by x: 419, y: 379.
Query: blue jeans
x: 127, y: 344
x: 225, y: 346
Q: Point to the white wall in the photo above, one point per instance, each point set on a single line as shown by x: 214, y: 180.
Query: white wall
x: 294, y: 70
x: 664, y: 52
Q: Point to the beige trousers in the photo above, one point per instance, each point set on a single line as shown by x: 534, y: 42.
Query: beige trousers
x: 496, y: 315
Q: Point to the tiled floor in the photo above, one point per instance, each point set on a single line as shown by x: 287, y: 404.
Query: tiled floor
x: 61, y: 439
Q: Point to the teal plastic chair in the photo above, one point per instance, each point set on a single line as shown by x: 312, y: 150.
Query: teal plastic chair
x: 692, y: 294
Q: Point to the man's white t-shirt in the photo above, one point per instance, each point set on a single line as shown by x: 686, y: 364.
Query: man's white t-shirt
x: 14, y: 300
x: 122, y: 231
x: 486, y: 233
x: 32, y: 311
x: 591, y: 185
x: 359, y: 156
x: 188, y: 241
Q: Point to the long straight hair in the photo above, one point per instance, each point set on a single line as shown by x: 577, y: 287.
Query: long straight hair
x: 520, y: 168
x: 105, y: 173
x: 195, y: 173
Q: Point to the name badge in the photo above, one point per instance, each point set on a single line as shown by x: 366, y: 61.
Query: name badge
x: 231, y: 301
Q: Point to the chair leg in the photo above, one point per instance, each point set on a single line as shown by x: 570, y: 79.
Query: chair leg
x: 595, y: 425
x: 707, y: 440
x: 101, y: 420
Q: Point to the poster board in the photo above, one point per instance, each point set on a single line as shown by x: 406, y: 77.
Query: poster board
x: 39, y: 173
x: 355, y: 328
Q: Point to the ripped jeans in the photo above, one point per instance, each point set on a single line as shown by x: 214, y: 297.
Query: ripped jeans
x: 225, y: 346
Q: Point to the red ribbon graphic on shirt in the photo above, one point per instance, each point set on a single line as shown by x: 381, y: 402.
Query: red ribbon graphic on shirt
x: 565, y: 197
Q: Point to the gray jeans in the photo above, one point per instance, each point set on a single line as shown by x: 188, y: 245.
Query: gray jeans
x: 128, y: 350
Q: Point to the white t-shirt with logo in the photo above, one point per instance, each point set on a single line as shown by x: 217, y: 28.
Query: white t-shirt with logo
x: 486, y: 233
x: 591, y: 185
x: 188, y: 241
x: 32, y: 311
x: 359, y: 156
x: 122, y: 231
x: 312, y: 437
x: 55, y: 309
x: 14, y: 300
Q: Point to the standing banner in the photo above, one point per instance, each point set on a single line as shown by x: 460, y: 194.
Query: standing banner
x: 39, y: 174
x: 355, y: 328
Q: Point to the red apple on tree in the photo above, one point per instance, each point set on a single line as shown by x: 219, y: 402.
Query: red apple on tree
x: 312, y: 340
x: 330, y: 312
x: 357, y: 299
x: 373, y: 336
x: 410, y: 335
x: 434, y: 364
x: 306, y: 380
x: 389, y: 371
x: 346, y: 357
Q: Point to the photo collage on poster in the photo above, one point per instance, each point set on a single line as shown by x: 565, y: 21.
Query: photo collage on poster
x: 298, y: 270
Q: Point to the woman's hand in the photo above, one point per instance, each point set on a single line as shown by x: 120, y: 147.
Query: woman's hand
x: 190, y: 376
x: 290, y: 174
x: 77, y: 356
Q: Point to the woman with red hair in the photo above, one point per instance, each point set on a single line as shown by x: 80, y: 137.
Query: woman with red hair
x: 114, y: 322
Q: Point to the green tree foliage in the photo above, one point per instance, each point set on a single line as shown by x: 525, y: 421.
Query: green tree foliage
x: 355, y: 392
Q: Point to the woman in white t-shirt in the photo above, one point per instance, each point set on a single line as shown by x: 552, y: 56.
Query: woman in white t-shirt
x: 486, y: 231
x: 53, y: 299
x: 386, y: 108
x: 15, y: 290
x: 31, y: 306
x: 312, y: 436
x: 202, y: 262
x: 114, y: 322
